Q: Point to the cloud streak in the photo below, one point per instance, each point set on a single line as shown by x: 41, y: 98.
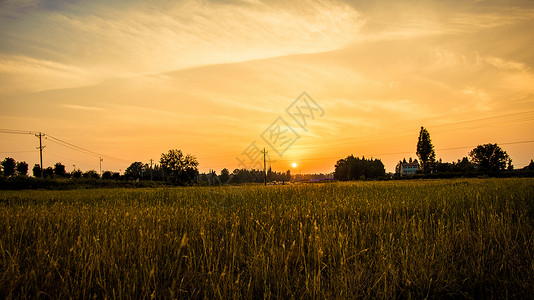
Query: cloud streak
x: 21, y: 73
x: 160, y: 36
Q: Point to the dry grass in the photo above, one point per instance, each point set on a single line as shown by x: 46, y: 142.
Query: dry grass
x: 450, y: 238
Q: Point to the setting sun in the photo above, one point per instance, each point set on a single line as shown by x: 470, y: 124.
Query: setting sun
x: 294, y: 165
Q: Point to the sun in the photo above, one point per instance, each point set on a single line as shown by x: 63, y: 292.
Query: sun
x: 294, y: 165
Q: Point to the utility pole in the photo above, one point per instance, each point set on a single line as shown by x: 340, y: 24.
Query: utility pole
x: 264, y: 166
x: 101, y: 160
x: 151, y: 169
x: 40, y: 135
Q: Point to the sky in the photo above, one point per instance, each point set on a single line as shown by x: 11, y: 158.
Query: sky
x: 310, y: 81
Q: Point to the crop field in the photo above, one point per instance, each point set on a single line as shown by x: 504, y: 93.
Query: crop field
x: 395, y: 239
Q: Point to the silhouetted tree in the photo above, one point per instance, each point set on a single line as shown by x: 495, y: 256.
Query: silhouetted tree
x: 36, y: 170
x: 209, y: 178
x: 464, y: 166
x: 59, y: 170
x: 224, y: 177
x: 278, y: 176
x: 134, y: 171
x: 22, y: 168
x: 257, y: 176
x: 213, y: 179
x: 531, y: 165
x: 76, y: 173
x: 158, y: 173
x: 489, y: 157
x: 9, y: 166
x: 398, y: 167
x: 180, y: 169
x: 352, y: 168
x: 244, y: 175
x: 48, y: 172
x: 106, y: 175
x: 91, y: 174
x: 442, y: 167
x: 425, y: 150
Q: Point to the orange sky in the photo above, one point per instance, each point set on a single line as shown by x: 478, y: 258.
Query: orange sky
x: 131, y: 80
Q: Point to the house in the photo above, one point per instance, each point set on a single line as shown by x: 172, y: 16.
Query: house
x: 407, y: 168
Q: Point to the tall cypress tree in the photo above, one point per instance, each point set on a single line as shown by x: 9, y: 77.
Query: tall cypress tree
x: 425, y: 150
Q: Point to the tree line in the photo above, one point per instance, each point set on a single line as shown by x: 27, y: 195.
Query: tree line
x: 177, y: 168
x: 243, y: 176
x: 174, y: 167
x: 353, y: 168
x: 489, y: 159
x: 10, y: 167
x: 486, y: 158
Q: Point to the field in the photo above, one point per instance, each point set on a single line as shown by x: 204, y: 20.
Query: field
x: 397, y: 239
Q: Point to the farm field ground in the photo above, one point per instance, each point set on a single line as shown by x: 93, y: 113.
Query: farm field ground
x: 471, y: 238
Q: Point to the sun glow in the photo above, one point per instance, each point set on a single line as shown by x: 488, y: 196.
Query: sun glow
x: 294, y: 165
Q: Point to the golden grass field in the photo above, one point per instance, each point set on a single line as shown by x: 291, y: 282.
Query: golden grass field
x: 471, y: 238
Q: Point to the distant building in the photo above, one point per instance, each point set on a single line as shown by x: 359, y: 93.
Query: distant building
x: 407, y: 168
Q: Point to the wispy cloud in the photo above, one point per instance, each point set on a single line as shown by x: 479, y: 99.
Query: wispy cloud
x: 21, y: 73
x: 504, y: 64
x: 500, y: 16
x: 83, y: 107
x: 145, y: 38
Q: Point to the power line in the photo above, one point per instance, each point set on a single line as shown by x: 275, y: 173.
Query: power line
x: 59, y: 142
x: 15, y: 131
x: 75, y: 162
x: 520, y: 142
x: 80, y: 149
x: 464, y: 123
x: 509, y: 143
x: 67, y: 144
x: 62, y: 157
x: 408, y: 152
x: 344, y: 139
x: 454, y: 148
x: 486, y: 118
x: 387, y: 154
x: 441, y: 128
x: 23, y: 151
x: 491, y: 124
x: 73, y: 148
